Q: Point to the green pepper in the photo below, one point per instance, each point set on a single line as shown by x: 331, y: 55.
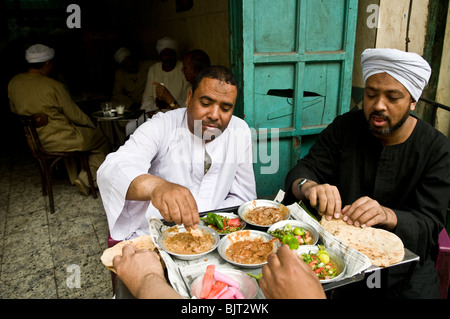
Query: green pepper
x: 210, y: 219
x: 293, y: 243
x: 287, y: 238
x: 218, y: 222
x: 257, y: 277
x: 214, y: 220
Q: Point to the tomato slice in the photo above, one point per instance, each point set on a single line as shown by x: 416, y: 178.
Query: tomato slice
x: 234, y: 222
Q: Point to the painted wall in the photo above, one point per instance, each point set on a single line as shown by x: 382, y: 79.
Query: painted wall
x: 443, y: 90
x: 205, y: 26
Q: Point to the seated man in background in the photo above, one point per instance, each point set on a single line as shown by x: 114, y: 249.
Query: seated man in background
x: 181, y: 162
x: 130, y: 79
x: 193, y: 62
x: 128, y: 89
x: 166, y: 86
x: 68, y: 128
x: 381, y: 166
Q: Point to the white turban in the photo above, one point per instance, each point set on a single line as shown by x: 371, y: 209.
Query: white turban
x: 121, y: 54
x: 166, y: 43
x: 410, y: 69
x: 39, y: 53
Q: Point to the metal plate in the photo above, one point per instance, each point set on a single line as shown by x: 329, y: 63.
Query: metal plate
x: 244, y: 208
x: 229, y: 239
x: 333, y: 256
x: 181, y: 229
x: 296, y: 223
x: 247, y: 285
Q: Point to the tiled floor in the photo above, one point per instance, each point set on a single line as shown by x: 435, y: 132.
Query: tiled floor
x: 45, y: 255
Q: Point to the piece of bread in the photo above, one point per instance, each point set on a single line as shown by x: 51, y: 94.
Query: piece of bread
x: 381, y: 246
x: 142, y: 242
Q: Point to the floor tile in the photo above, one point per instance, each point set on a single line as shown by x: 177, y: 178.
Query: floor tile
x: 39, y: 250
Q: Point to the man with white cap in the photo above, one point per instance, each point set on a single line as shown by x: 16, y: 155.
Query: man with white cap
x: 68, y: 128
x: 166, y: 86
x: 128, y: 90
x: 381, y: 166
x: 130, y: 79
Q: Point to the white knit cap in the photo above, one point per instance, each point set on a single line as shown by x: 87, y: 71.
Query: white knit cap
x: 39, y: 53
x: 121, y: 54
x: 166, y: 43
x: 410, y: 69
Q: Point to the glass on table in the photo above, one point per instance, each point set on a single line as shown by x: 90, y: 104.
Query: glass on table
x: 106, y: 108
x: 120, y: 109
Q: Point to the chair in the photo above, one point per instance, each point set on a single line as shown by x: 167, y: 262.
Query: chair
x: 443, y: 264
x: 47, y: 160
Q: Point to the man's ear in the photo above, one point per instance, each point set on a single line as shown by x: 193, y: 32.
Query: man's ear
x: 188, y: 98
x: 412, y: 106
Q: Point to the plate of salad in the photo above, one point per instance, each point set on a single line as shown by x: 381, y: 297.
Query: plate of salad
x: 328, y: 265
x: 223, y: 223
x: 294, y: 233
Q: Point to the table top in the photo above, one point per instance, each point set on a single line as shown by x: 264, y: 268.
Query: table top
x: 410, y: 258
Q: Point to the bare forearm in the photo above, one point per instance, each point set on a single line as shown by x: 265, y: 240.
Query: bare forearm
x: 156, y: 287
x: 142, y: 187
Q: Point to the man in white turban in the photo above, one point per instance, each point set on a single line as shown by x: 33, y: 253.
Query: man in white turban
x: 408, y: 68
x: 381, y: 166
x: 68, y: 128
x: 128, y: 90
x: 166, y: 86
x: 130, y: 79
x: 39, y: 53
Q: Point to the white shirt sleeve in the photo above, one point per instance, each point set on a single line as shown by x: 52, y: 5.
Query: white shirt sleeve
x: 118, y: 171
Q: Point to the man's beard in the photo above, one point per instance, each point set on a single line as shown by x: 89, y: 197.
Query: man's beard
x: 391, y: 128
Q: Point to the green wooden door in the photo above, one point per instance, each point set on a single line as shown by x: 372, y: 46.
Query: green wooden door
x: 294, y: 59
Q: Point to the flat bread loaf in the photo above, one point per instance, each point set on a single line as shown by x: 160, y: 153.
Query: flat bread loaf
x: 142, y: 242
x: 381, y: 246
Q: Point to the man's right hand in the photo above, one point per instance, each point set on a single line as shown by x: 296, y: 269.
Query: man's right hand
x: 174, y: 202
x: 326, y: 198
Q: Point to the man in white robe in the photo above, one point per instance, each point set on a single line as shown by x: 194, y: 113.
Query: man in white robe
x: 163, y: 171
x: 166, y: 87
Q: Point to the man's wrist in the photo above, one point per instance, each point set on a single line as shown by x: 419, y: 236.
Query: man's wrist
x: 391, y: 219
x: 146, y: 288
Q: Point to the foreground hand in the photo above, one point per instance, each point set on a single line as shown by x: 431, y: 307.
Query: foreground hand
x: 366, y: 212
x: 324, y: 196
x: 285, y: 276
x: 134, y: 266
x: 141, y: 271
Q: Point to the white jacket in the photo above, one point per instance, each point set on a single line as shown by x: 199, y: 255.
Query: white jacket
x: 164, y: 146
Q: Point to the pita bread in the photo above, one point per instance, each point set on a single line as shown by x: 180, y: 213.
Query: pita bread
x: 381, y: 246
x: 142, y: 242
